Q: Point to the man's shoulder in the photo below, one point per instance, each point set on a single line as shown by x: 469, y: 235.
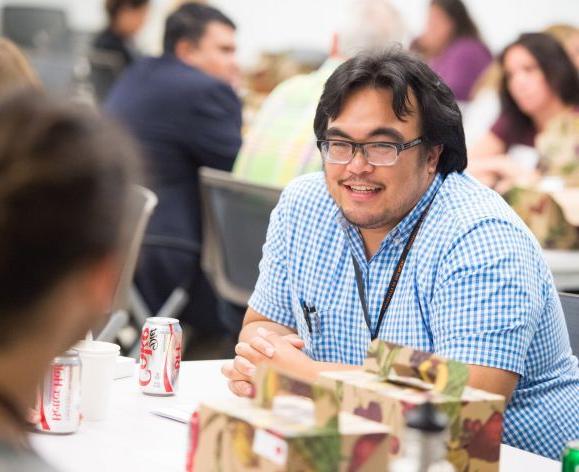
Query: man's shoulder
x: 168, y: 81
x: 464, y: 204
x: 312, y: 185
x: 173, y: 76
x: 309, y: 193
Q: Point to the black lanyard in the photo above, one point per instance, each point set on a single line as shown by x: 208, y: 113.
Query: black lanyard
x: 393, y: 281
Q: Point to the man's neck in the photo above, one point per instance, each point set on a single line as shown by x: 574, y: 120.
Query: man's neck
x: 373, y: 237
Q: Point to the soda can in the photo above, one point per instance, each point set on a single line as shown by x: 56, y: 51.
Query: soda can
x: 571, y: 457
x: 59, y: 396
x: 161, y: 341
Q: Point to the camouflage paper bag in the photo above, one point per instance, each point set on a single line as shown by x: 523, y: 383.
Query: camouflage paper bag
x: 543, y: 214
x: 292, y: 425
x: 399, y: 378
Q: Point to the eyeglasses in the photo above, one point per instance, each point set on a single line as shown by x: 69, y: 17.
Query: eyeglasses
x: 336, y: 151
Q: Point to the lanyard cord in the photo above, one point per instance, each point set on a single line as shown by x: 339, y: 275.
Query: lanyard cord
x: 393, y: 281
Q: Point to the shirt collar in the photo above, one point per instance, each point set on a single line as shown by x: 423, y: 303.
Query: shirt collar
x: 402, y: 230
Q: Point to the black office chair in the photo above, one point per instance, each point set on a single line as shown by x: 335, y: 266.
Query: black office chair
x: 570, y: 304
x: 235, y: 219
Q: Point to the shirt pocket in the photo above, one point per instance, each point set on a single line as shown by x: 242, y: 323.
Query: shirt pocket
x: 321, y: 342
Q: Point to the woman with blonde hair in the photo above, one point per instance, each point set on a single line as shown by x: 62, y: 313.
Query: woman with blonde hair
x: 15, y: 70
x: 568, y: 36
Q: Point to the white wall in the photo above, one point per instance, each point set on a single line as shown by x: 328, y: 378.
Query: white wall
x: 280, y: 24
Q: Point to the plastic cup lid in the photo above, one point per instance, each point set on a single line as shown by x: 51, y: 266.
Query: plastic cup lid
x: 96, y: 348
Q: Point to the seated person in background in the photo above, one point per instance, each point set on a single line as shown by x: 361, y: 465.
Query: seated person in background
x: 15, y: 70
x: 484, y: 106
x: 125, y: 19
x: 539, y: 84
x: 452, y: 47
x: 568, y: 36
x: 280, y: 144
x: 185, y: 114
x: 65, y: 176
x: 393, y: 198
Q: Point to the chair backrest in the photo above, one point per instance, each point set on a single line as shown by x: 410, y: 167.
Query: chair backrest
x: 570, y: 304
x: 143, y: 202
x: 235, y: 219
x: 35, y: 27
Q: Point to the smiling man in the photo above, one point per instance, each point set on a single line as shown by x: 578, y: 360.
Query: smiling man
x: 394, y: 241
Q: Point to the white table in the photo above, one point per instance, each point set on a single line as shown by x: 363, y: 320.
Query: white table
x: 131, y: 438
x: 565, y: 268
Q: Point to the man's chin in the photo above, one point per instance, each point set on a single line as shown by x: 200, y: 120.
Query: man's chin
x: 365, y: 221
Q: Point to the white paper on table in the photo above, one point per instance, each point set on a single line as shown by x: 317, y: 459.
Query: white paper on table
x: 180, y: 412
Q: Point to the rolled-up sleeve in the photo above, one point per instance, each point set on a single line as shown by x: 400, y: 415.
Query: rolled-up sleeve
x: 485, y: 307
x: 271, y: 296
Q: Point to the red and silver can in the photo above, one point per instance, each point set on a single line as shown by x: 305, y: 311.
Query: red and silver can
x: 161, y: 341
x: 59, y: 396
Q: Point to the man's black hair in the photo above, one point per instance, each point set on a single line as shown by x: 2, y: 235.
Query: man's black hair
x: 189, y: 22
x: 401, y: 72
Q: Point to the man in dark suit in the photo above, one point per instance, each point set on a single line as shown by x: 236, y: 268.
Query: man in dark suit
x: 183, y: 109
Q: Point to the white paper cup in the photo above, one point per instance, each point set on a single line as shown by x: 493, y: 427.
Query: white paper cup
x: 98, y: 360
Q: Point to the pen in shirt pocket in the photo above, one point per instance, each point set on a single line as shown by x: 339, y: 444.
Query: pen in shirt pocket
x: 306, y: 310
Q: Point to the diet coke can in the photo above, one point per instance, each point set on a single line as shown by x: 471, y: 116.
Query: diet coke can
x: 160, y: 356
x: 59, y: 396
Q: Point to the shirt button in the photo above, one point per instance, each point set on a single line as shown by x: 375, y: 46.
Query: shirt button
x: 362, y: 325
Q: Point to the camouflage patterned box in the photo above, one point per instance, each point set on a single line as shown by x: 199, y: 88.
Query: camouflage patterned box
x: 398, y: 378
x: 290, y: 426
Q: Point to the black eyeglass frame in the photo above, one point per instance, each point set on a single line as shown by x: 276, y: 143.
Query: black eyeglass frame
x: 362, y: 146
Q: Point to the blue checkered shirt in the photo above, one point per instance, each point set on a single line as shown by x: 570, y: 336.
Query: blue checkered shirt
x: 475, y: 288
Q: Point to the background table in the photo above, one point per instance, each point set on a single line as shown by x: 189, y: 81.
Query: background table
x: 132, y: 438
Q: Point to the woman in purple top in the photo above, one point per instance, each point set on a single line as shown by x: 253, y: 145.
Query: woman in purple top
x: 539, y: 83
x: 452, y: 46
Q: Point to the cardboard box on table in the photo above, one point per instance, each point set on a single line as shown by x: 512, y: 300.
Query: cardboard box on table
x: 398, y: 378
x: 292, y: 425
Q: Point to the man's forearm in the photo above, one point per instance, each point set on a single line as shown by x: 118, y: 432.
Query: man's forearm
x: 249, y: 330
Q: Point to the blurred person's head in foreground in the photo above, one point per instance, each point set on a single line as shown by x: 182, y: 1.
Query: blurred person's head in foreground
x: 568, y: 36
x: 126, y: 17
x: 15, y: 70
x: 539, y: 80
x: 65, y: 177
x: 447, y: 20
x: 369, y: 26
x: 203, y: 37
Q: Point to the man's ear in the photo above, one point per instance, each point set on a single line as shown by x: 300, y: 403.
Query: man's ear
x: 433, y: 157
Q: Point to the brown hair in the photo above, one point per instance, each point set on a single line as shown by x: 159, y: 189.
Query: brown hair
x: 561, y: 31
x: 560, y: 74
x: 65, y: 175
x: 464, y: 26
x: 15, y: 70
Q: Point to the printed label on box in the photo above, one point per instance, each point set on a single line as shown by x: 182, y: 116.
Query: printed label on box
x: 270, y: 446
